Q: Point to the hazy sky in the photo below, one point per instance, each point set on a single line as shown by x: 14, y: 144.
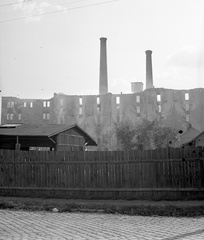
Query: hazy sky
x: 59, y: 52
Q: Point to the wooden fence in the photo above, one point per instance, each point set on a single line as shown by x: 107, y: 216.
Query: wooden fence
x: 157, y: 174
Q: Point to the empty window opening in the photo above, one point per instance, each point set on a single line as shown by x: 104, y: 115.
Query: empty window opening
x: 158, y: 98
x: 159, y: 108
x: 80, y: 111
x: 31, y: 104
x: 46, y: 103
x: 137, y: 99
x: 117, y: 100
x: 186, y: 96
x: 80, y: 101
x: 98, y: 109
x: 24, y: 104
x: 10, y: 104
x: 98, y: 100
x: 11, y: 116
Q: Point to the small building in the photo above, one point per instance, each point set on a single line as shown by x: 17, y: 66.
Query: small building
x: 198, y: 141
x: 48, y: 137
x: 186, y: 137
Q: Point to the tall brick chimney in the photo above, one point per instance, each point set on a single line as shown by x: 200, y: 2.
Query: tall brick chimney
x: 149, y: 76
x: 103, y: 75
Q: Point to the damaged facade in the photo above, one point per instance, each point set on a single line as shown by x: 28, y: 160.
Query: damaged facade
x: 98, y: 114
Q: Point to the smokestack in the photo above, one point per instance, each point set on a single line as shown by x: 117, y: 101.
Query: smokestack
x: 103, y: 78
x: 149, y: 77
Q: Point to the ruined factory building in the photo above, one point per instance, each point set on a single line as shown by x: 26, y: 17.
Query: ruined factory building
x: 45, y: 137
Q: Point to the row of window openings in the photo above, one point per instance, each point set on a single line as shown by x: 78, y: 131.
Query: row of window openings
x: 10, y: 116
x: 138, y: 109
x: 46, y: 116
x: 80, y: 101
x: 160, y: 109
x: 158, y: 98
x: 45, y: 104
x: 118, y: 99
x: 81, y: 111
x: 137, y: 99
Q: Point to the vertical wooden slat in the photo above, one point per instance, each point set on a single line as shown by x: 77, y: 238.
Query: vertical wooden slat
x: 88, y: 171
x: 159, y: 169
x: 67, y: 164
x: 116, y: 159
x: 71, y: 170
x: 78, y: 171
x: 124, y: 175
x: 82, y: 169
x: 110, y: 172
x: 106, y: 178
x: 167, y: 166
x: 92, y: 171
x: 136, y: 169
x: 132, y: 168
x: 126, y: 169
x: 120, y: 169
x: 101, y: 168
x: 202, y: 173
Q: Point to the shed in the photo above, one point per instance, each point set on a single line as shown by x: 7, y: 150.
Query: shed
x: 186, y: 137
x: 197, y: 141
x: 44, y: 137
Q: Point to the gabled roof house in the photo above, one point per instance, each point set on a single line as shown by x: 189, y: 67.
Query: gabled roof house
x: 185, y: 137
x: 44, y: 137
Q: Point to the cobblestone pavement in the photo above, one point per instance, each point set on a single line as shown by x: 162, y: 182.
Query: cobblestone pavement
x: 22, y: 225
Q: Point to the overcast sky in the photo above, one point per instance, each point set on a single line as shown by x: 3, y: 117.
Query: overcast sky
x: 59, y: 52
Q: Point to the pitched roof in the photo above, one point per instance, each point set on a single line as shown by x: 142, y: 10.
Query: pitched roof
x: 186, y: 137
x: 47, y: 130
x: 195, y: 138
